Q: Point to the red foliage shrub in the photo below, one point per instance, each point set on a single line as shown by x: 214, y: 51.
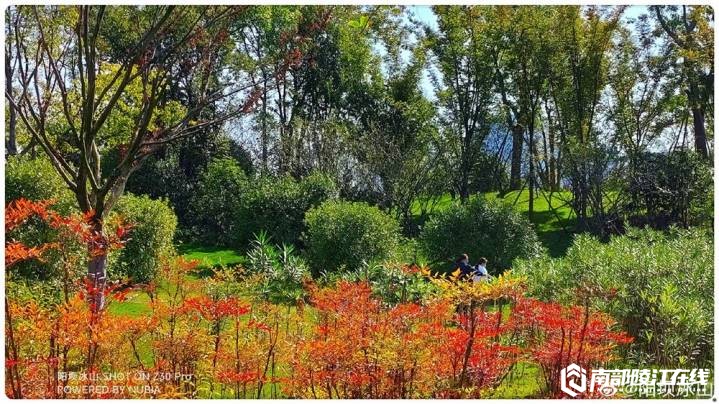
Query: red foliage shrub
x: 350, y: 345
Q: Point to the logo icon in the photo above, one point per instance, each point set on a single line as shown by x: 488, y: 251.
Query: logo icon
x: 574, y: 380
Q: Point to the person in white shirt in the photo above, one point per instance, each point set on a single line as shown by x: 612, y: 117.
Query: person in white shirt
x: 480, y: 273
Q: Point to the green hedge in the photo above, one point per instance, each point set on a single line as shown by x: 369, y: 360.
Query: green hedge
x: 217, y: 207
x: 345, y: 234
x: 150, y: 237
x: 231, y: 208
x: 658, y: 285
x: 36, y: 179
x: 278, y: 205
x: 479, y: 228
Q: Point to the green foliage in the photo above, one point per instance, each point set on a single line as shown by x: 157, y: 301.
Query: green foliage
x: 175, y: 172
x: 479, y: 228
x: 153, y: 228
x: 347, y: 235
x: 281, y: 269
x: 660, y: 288
x: 217, y: 206
x: 36, y: 179
x: 673, y: 189
x: 230, y: 209
x: 278, y: 206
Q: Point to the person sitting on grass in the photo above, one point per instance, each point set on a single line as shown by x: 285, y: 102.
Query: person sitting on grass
x: 480, y: 273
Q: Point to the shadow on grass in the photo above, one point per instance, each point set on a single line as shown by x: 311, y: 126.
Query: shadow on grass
x: 557, y: 242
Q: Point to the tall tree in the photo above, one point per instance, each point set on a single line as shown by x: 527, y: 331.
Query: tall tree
x: 75, y: 104
x: 521, y: 52
x: 688, y: 30
x: 577, y: 81
x: 462, y: 56
x: 396, y: 138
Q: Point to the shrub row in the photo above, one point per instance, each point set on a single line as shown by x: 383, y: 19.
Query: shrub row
x: 230, y: 208
x: 657, y: 284
x: 479, y: 228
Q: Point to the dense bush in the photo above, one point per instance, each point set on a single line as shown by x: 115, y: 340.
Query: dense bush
x: 674, y: 188
x: 347, y: 234
x: 151, y: 234
x: 217, y: 207
x: 230, y: 208
x: 479, y: 228
x: 36, y: 180
x: 278, y: 206
x: 661, y: 284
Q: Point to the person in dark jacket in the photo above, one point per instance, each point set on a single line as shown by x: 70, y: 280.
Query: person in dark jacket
x: 465, y: 270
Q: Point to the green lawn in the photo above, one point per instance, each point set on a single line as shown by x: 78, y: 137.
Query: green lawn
x: 211, y: 257
x: 521, y: 382
x: 136, y: 304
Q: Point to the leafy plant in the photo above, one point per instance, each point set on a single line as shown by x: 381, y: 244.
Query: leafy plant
x: 278, y: 205
x: 661, y: 283
x: 150, y: 237
x: 348, y: 235
x: 282, y: 271
x: 218, y: 203
x: 479, y: 228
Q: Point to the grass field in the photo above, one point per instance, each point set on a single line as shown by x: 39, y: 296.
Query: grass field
x: 210, y: 257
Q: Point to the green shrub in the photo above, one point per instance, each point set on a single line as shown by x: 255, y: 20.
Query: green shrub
x: 660, y: 284
x: 217, y: 207
x: 230, y: 208
x: 36, y: 179
x: 281, y: 270
x: 347, y: 234
x: 278, y: 205
x: 150, y: 238
x: 479, y: 228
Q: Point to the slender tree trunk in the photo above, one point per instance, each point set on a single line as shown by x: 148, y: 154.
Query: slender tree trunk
x: 700, y: 134
x: 464, y: 177
x: 553, y: 167
x: 264, y: 135
x: 515, y: 180
x: 11, y: 141
x: 531, y: 172
x: 97, y: 269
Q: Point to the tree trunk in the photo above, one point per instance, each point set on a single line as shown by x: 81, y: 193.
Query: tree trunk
x: 693, y: 96
x: 700, y: 135
x: 553, y: 166
x: 464, y: 176
x: 10, y: 142
x: 515, y: 181
x: 531, y: 172
x: 265, y: 139
x: 97, y: 269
